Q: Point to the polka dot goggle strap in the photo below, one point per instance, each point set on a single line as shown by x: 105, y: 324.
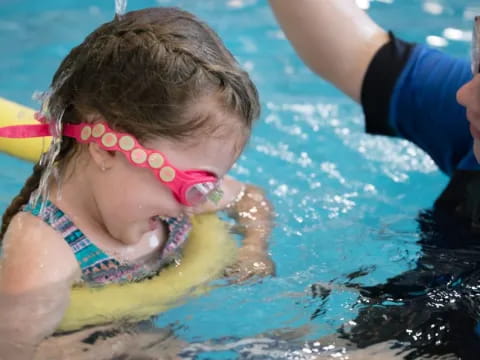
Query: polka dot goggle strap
x: 190, y: 187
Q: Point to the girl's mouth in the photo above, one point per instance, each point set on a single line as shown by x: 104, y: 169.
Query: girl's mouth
x: 154, y: 222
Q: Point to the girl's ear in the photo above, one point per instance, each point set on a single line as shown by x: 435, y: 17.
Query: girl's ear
x: 103, y: 159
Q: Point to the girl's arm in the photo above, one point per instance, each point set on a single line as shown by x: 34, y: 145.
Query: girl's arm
x: 37, y: 270
x: 253, y: 213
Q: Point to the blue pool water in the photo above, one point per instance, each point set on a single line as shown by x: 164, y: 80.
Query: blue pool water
x: 345, y: 201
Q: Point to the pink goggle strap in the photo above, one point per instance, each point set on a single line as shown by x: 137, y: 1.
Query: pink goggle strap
x: 178, y: 181
x: 25, y: 131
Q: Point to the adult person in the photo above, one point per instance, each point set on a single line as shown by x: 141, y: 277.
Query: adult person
x: 430, y: 98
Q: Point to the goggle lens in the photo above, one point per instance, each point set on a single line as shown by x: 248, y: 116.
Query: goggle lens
x: 201, y: 192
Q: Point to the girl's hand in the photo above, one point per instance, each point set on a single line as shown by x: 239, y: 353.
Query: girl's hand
x: 252, y: 262
x: 254, y: 220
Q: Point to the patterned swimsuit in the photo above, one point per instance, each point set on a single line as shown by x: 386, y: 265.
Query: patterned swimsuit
x: 99, y: 268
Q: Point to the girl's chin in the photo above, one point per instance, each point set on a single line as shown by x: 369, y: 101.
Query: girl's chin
x: 144, y: 230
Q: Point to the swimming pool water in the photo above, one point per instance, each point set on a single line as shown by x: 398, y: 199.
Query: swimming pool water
x: 346, y: 202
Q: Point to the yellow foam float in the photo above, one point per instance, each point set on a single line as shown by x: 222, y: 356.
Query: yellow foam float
x: 208, y: 250
x: 27, y: 149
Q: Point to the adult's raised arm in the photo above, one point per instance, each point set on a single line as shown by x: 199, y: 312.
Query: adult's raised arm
x: 335, y: 38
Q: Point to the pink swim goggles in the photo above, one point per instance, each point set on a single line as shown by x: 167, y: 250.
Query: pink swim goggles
x: 190, y: 187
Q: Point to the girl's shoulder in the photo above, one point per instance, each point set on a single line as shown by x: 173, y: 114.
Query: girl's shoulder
x: 34, y: 255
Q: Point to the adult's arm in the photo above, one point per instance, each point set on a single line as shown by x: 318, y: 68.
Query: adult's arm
x: 335, y: 38
x: 406, y: 90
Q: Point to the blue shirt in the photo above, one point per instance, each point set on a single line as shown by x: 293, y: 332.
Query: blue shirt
x: 424, y: 110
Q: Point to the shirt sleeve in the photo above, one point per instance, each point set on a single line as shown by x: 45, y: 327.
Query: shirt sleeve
x: 409, y: 91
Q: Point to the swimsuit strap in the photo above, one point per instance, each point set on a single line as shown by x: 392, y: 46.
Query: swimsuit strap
x: 87, y: 254
x: 178, y: 231
x: 98, y: 267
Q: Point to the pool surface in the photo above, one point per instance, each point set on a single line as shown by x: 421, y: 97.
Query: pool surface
x: 347, y: 202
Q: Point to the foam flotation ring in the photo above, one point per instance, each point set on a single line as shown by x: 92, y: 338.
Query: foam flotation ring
x: 208, y: 250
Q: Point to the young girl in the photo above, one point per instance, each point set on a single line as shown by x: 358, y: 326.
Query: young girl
x: 148, y: 115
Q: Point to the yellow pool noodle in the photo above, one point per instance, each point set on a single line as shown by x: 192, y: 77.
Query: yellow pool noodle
x: 27, y: 149
x: 208, y: 251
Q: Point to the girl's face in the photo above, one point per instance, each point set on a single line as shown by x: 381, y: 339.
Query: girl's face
x: 129, y: 197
